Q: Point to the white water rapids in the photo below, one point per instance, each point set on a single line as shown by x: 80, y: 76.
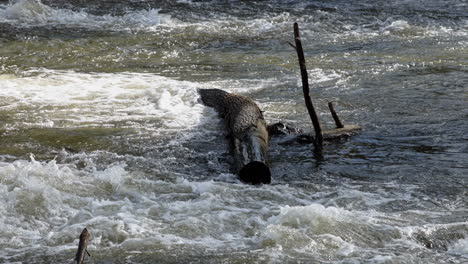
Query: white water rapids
x: 101, y: 127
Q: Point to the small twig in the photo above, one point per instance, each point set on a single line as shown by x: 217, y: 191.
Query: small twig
x: 82, y: 245
x: 292, y: 45
x: 335, y: 116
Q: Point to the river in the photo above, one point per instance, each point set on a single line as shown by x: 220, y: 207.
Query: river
x: 101, y: 127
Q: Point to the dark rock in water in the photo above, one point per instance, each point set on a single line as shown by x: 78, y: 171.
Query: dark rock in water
x: 247, y: 133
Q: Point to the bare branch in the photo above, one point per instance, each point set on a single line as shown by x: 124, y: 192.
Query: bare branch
x: 318, y: 141
x: 335, y: 116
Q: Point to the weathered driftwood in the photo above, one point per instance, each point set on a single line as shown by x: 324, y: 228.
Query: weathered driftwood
x: 82, y: 245
x: 328, y: 135
x: 318, y: 140
x: 247, y: 133
x: 337, y: 133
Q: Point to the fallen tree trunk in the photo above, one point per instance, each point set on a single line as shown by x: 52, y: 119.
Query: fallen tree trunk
x: 247, y: 133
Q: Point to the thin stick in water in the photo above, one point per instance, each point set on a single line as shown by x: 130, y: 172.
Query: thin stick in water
x: 335, y: 116
x: 318, y: 142
x: 82, y: 245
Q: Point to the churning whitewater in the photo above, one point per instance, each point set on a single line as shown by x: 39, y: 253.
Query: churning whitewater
x: 102, y: 127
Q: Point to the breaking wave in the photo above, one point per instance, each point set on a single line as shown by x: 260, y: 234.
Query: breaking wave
x: 32, y: 13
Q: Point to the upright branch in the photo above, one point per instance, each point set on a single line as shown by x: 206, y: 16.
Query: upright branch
x: 318, y: 141
x: 83, y: 244
x: 335, y: 116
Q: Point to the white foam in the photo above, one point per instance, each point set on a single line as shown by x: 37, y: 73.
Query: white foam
x: 46, y: 205
x: 203, y: 187
x: 318, y: 75
x: 32, y: 196
x: 311, y: 216
x: 397, y: 25
x: 48, y: 200
x: 113, y: 175
x: 26, y: 13
x: 381, y: 259
x: 75, y: 98
x: 460, y: 247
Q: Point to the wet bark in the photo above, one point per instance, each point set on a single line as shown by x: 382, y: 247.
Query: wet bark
x: 82, y: 245
x: 318, y: 140
x: 328, y: 135
x: 335, y: 116
x: 247, y: 133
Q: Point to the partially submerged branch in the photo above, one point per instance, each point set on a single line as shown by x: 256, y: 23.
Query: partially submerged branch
x: 318, y: 142
x: 338, y: 133
x: 335, y: 116
x: 82, y: 245
x: 329, y: 135
x: 341, y: 130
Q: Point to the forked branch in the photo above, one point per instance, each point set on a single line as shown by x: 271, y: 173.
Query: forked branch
x: 318, y: 139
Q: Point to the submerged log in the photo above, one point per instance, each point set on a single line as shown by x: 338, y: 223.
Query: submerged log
x: 82, y: 245
x: 247, y: 133
x: 337, y: 133
x: 328, y: 135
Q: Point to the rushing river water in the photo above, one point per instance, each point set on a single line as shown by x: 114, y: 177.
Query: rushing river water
x: 101, y: 127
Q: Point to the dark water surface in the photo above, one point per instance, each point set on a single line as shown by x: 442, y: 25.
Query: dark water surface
x: 101, y: 127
